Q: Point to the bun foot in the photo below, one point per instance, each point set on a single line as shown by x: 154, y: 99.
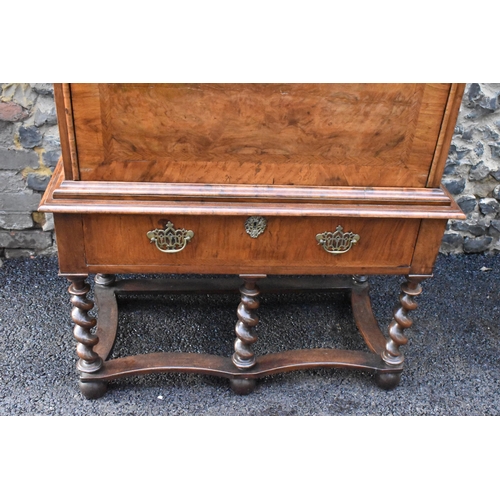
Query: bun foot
x: 387, y: 381
x: 93, y: 390
x: 242, y: 386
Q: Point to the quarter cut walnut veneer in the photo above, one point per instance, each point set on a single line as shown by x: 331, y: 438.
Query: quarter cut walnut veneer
x: 256, y: 180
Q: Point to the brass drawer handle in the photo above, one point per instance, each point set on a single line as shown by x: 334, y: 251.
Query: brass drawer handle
x: 337, y: 242
x: 170, y: 240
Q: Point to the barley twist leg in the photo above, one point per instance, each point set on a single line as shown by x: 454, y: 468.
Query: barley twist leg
x: 244, y: 357
x: 89, y: 361
x: 392, y: 355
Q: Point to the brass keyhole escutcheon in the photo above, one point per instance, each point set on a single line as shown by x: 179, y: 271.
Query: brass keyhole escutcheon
x: 255, y: 226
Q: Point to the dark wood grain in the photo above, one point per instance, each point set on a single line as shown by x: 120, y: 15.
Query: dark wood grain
x: 107, y: 324
x: 365, y: 320
x: 222, y: 243
x: 225, y: 284
x: 156, y: 191
x: 64, y: 108
x: 244, y: 356
x: 427, y: 246
x: 207, y: 364
x: 410, y: 289
x: 89, y: 361
x: 299, y: 134
x: 445, y: 135
x: 154, y: 198
x: 71, y: 244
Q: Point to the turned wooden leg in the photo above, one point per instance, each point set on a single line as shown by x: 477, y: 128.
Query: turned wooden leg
x: 94, y: 389
x: 89, y: 361
x: 242, y: 386
x: 244, y: 357
x: 392, y: 355
x: 104, y: 279
x: 409, y: 290
x: 360, y: 279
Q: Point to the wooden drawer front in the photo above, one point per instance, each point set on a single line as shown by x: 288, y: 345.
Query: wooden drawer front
x: 277, y: 134
x: 221, y: 245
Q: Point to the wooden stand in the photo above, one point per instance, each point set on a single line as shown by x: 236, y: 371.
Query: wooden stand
x: 250, y: 180
x: 382, y: 357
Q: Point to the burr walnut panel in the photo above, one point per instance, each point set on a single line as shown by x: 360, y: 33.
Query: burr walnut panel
x: 301, y: 134
x: 221, y: 244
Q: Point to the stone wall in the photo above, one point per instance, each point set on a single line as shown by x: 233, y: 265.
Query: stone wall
x: 472, y: 173
x: 30, y: 148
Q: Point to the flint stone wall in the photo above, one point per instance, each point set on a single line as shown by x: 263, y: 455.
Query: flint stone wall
x: 30, y: 148
x: 472, y: 173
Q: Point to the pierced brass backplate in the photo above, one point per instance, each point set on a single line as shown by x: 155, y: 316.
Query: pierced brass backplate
x: 170, y: 240
x: 337, y: 242
x: 255, y: 226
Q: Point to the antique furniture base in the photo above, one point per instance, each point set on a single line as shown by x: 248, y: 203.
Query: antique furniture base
x: 253, y: 180
x: 382, y: 357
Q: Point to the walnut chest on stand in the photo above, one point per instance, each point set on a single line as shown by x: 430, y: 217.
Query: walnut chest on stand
x: 329, y: 182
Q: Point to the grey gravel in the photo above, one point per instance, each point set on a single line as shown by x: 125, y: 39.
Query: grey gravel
x: 452, y: 358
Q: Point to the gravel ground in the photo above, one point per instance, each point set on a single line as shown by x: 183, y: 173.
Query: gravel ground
x: 452, y: 358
